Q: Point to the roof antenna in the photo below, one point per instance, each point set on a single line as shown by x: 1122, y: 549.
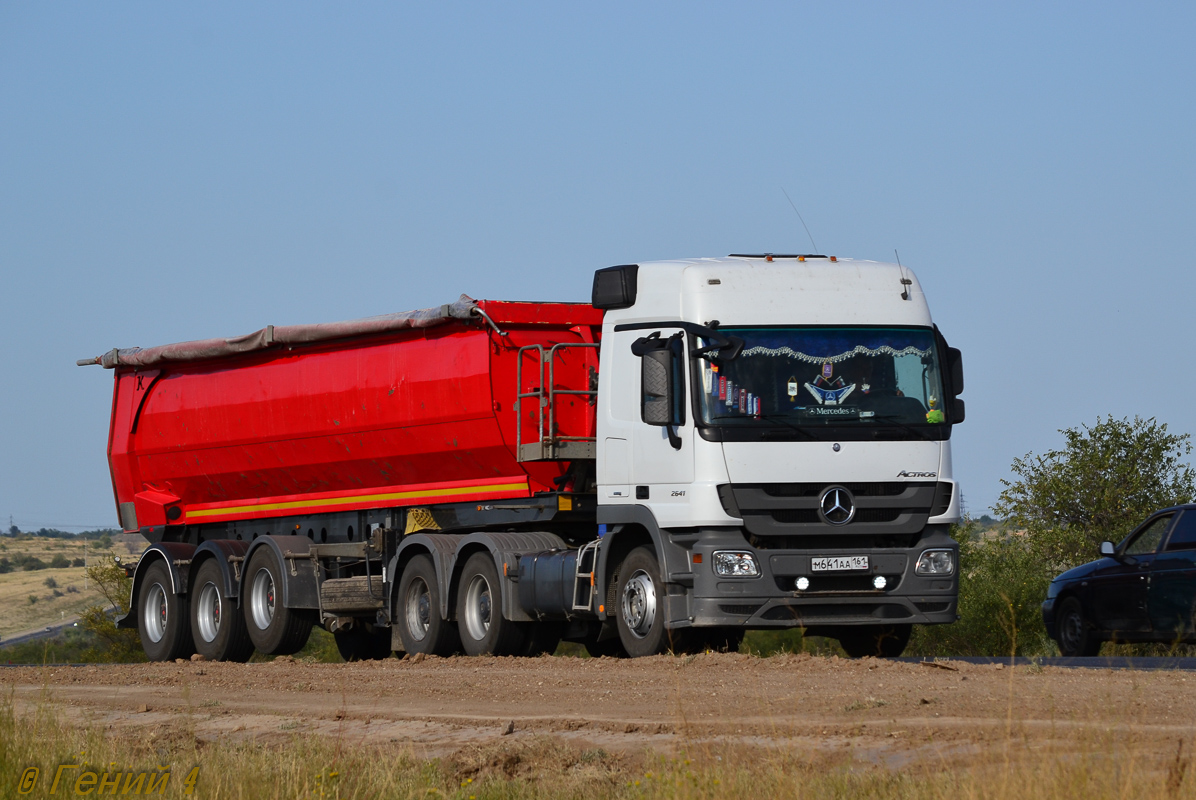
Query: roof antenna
x: 803, y: 222
x: 905, y: 282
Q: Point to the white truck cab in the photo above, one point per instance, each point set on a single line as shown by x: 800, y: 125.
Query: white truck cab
x: 778, y: 427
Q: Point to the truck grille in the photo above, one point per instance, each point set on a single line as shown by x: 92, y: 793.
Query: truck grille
x: 791, y: 509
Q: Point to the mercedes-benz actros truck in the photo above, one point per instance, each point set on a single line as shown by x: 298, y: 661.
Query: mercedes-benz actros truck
x: 709, y: 446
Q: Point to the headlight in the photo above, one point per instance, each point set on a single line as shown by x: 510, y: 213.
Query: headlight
x: 936, y: 562
x: 733, y: 564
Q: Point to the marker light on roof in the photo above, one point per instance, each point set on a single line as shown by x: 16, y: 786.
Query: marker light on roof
x: 834, y: 258
x: 801, y: 258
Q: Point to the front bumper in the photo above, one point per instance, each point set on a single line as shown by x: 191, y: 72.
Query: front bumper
x: 1048, y: 616
x: 832, y: 599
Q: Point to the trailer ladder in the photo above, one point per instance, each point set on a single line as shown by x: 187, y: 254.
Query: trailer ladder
x: 549, y: 444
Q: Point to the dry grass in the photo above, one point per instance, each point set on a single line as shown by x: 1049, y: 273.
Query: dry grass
x: 16, y: 587
x: 1106, y: 766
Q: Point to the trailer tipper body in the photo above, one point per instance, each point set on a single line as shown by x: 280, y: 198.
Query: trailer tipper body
x: 709, y: 446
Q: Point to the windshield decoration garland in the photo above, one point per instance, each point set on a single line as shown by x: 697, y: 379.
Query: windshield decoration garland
x: 859, y: 350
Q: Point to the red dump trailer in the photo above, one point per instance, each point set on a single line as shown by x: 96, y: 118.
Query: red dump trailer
x: 218, y: 434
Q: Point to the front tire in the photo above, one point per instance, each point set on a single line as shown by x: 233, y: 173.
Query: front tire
x: 880, y: 641
x: 417, y: 612
x: 640, y: 615
x: 217, y: 629
x: 275, y: 629
x: 483, y: 630
x: 1075, y: 635
x: 163, y: 617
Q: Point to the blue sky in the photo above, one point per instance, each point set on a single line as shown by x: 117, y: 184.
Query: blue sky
x: 170, y: 172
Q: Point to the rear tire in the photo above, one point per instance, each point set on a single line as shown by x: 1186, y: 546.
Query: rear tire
x: 163, y: 618
x: 1075, y: 635
x: 217, y: 628
x: 483, y: 629
x: 275, y: 629
x: 417, y: 612
x: 359, y: 644
x: 880, y: 641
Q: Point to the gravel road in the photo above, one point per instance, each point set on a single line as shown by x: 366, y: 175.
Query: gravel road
x: 889, y: 713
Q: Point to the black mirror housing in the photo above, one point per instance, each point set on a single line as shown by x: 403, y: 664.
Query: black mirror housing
x: 955, y: 367
x: 957, y: 411
x: 662, y: 392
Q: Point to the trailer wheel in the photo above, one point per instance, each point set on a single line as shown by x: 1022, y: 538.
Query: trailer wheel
x: 217, y: 629
x: 359, y: 644
x: 275, y: 629
x: 418, y: 613
x: 162, y: 617
x: 882, y: 641
x: 484, y: 631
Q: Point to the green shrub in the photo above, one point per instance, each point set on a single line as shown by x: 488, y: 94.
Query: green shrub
x: 1001, y: 588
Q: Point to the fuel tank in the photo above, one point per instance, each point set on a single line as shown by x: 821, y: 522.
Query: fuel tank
x: 298, y: 422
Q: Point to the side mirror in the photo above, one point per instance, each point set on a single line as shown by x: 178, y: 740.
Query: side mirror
x: 957, y: 411
x: 955, y: 368
x: 1107, y: 549
x: 662, y: 396
x: 656, y: 403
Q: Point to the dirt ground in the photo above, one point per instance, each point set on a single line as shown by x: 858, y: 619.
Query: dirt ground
x: 883, y: 713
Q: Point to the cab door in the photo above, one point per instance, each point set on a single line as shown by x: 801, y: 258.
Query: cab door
x: 1120, y: 592
x: 1172, y: 597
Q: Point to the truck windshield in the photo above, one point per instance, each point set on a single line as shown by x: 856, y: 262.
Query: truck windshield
x: 825, y: 376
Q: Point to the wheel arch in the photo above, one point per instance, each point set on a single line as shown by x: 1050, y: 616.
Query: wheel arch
x: 299, y: 585
x: 629, y: 527
x: 505, y: 548
x: 221, y: 551
x: 440, y: 547
x: 175, y: 555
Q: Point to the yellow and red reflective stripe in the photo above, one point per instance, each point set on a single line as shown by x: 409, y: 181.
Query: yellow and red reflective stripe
x: 383, y: 497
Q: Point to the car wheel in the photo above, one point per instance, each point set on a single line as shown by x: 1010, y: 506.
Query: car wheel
x: 275, y: 629
x: 1074, y: 634
x: 163, y: 617
x: 880, y: 641
x: 217, y: 630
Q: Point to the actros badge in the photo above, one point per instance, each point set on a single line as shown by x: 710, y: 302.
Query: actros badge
x: 904, y: 474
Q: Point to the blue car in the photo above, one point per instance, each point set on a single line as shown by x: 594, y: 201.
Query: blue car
x: 1143, y: 589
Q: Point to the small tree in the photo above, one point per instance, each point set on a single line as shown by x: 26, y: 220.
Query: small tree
x: 1102, y: 483
x: 50, y: 583
x: 114, y: 644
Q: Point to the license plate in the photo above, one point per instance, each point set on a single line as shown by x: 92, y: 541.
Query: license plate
x: 838, y: 563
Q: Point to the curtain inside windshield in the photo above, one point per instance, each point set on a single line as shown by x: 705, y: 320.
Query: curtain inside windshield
x: 826, y: 376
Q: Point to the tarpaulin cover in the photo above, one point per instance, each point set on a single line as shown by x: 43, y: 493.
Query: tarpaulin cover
x: 272, y: 336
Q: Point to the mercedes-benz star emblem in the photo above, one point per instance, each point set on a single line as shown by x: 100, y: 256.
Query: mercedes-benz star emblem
x: 836, y: 506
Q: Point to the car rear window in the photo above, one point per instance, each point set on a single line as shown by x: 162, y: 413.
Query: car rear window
x: 1183, y: 537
